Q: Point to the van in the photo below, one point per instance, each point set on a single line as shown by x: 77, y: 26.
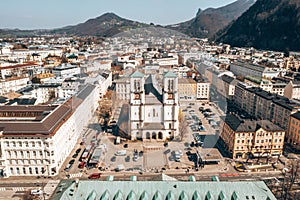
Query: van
x: 121, y: 153
x: 36, y: 192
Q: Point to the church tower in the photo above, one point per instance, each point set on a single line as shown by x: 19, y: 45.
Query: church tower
x: 137, y: 101
x: 170, y: 103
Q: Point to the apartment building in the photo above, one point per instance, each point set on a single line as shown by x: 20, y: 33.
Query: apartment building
x: 226, y: 86
x: 13, y: 84
x: 123, y: 88
x: 240, y: 68
x: 250, y: 138
x: 36, y: 140
x: 292, y: 90
x: 264, y: 105
x: 203, y: 90
x: 187, y: 89
x: 293, y: 134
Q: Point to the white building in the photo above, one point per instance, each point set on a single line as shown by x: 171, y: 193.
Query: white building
x: 12, y: 84
x: 203, y: 90
x: 36, y: 140
x: 153, y: 111
x: 66, y: 70
x: 246, y: 69
x: 123, y: 88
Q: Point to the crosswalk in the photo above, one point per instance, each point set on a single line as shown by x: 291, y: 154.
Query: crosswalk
x: 18, y: 189
x: 75, y: 175
x: 2, y: 189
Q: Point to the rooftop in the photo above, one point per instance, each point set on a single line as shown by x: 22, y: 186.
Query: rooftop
x: 137, y: 74
x: 255, y: 190
x: 247, y: 125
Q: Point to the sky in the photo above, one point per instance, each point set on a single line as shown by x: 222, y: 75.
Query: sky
x: 41, y: 14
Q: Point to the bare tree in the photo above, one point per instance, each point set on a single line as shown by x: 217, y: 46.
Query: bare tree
x: 291, y: 174
x: 182, y: 125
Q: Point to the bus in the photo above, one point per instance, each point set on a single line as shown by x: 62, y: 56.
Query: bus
x: 86, y: 153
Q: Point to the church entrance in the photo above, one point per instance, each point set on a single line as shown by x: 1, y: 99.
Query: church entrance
x: 160, y: 135
x: 154, y: 135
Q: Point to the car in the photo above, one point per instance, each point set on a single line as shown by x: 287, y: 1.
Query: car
x: 201, y: 109
x: 72, y: 161
x: 135, y: 157
x: 192, y: 104
x: 240, y: 167
x: 68, y: 167
x: 78, y: 150
x: 95, y: 176
x: 75, y: 155
x: 121, y: 153
x: 125, y: 146
x: 36, y: 192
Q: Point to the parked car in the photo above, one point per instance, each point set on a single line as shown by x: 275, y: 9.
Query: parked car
x: 68, y: 167
x: 81, y: 165
x: 78, y: 150
x: 95, y: 176
x: 121, y: 153
x: 72, y: 161
x: 75, y: 155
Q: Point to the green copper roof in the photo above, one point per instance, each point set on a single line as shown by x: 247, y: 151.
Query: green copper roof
x: 137, y: 74
x: 170, y: 74
x: 169, y: 190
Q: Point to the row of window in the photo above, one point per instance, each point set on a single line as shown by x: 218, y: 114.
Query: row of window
x: 24, y: 144
x: 259, y: 134
x: 14, y: 154
x: 260, y: 147
x: 259, y: 141
x: 24, y: 170
x: 29, y: 162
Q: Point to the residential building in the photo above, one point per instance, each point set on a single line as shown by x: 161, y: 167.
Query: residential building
x: 202, y: 90
x: 123, y: 88
x: 292, y: 90
x: 240, y: 68
x: 226, y: 86
x: 250, y: 138
x: 66, y: 70
x: 13, y: 84
x: 264, y: 105
x: 187, y: 89
x: 293, y: 134
x: 36, y: 140
x: 153, y: 109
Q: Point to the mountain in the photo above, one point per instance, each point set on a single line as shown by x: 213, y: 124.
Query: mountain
x: 268, y: 24
x: 105, y: 25
x: 210, y: 21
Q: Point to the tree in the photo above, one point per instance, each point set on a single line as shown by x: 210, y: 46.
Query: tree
x: 182, y: 125
x: 291, y: 173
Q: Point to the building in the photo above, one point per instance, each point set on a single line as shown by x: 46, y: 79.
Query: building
x: 293, y: 134
x: 292, y: 90
x: 36, y: 140
x: 244, y: 69
x: 153, y: 109
x: 168, y: 190
x: 264, y: 105
x: 203, y: 90
x: 250, y: 138
x: 123, y: 88
x: 187, y: 89
x: 226, y: 86
x: 12, y: 84
x: 66, y: 70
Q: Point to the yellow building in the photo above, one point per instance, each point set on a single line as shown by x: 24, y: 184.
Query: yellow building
x: 187, y: 89
x: 293, y: 135
x: 249, y: 137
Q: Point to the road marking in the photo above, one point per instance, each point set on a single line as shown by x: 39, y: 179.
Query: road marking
x: 18, y: 189
x: 2, y: 189
x: 75, y: 175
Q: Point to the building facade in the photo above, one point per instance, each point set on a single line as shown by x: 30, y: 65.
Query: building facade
x: 153, y: 109
x: 247, y: 138
x: 36, y: 140
x: 293, y: 134
x: 187, y: 89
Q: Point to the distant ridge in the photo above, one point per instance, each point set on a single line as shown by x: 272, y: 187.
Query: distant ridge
x: 268, y: 24
x: 208, y: 22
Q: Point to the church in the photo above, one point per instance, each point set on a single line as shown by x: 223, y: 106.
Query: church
x: 153, y: 106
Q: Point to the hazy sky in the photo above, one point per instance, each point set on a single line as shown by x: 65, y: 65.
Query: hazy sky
x: 34, y: 14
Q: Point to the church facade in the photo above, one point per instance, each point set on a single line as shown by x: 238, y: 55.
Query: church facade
x: 153, y: 107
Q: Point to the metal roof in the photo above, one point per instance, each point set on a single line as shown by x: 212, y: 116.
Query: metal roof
x: 85, y: 189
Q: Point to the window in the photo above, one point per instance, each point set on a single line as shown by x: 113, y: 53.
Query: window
x: 153, y: 112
